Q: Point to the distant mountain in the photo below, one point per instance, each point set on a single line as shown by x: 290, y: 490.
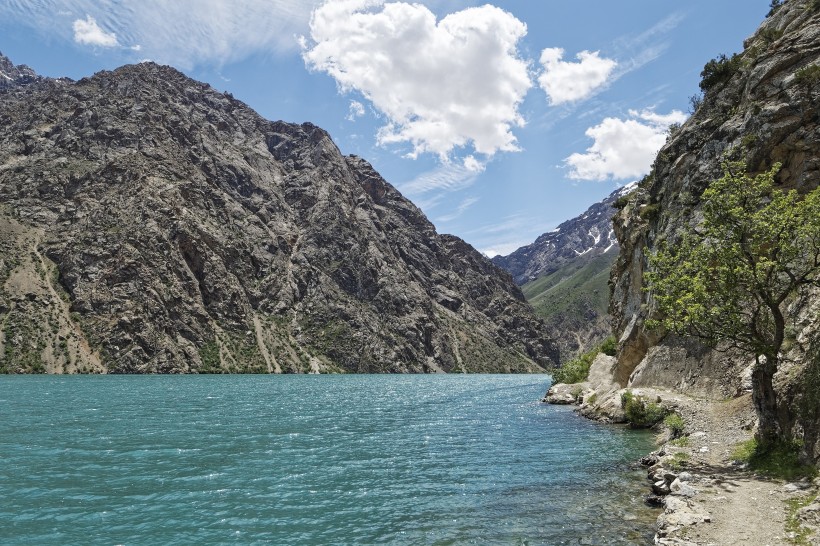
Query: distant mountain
x: 585, y: 236
x: 564, y: 275
x: 151, y: 224
x: 12, y: 75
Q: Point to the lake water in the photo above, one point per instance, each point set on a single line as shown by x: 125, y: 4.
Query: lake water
x: 311, y: 460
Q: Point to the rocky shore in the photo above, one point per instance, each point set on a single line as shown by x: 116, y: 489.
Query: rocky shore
x: 706, y: 497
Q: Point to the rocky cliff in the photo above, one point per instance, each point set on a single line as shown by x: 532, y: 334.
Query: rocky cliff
x: 149, y: 223
x: 564, y: 275
x: 759, y: 106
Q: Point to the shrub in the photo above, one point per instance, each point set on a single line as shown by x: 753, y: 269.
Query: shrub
x: 639, y: 412
x: 576, y: 370
x: 675, y: 424
x: 610, y: 346
x: 774, y: 6
x: 683, y: 441
x: 694, y: 103
x: 621, y: 202
x: 719, y: 70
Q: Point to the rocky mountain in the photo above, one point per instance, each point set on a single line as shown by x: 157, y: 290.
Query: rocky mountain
x: 564, y: 275
x: 759, y: 106
x: 12, y: 75
x: 149, y: 223
x: 586, y: 236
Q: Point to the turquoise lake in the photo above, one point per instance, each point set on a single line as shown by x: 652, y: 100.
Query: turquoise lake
x: 287, y: 460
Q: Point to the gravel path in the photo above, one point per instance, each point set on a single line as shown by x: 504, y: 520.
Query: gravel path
x: 727, y: 505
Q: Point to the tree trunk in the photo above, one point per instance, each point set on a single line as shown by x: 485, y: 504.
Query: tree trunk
x: 765, y: 400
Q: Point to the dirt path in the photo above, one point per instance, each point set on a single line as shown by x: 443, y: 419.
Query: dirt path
x: 725, y: 504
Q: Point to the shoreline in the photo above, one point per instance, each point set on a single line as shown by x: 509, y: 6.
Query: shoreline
x: 705, y: 496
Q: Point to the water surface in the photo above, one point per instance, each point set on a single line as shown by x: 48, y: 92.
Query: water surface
x: 311, y: 460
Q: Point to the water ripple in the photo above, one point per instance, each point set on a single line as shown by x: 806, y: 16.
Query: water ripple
x: 311, y: 460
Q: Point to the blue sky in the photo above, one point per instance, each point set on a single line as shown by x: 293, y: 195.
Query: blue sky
x: 499, y: 120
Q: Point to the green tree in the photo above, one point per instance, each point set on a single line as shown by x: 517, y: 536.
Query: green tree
x: 730, y: 278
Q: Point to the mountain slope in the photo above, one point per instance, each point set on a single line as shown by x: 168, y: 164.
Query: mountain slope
x: 759, y: 107
x: 564, y: 275
x: 153, y: 224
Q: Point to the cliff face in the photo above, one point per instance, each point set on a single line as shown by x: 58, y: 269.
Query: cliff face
x: 152, y: 224
x: 761, y: 107
x: 564, y: 275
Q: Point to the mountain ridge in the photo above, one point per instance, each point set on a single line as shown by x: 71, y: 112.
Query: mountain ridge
x: 564, y: 275
x: 183, y: 232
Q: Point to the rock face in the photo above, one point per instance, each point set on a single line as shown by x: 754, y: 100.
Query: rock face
x: 12, y: 75
x: 762, y: 109
x: 149, y: 223
x: 564, y: 275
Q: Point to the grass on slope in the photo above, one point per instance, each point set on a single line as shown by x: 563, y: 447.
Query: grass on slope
x: 578, y: 285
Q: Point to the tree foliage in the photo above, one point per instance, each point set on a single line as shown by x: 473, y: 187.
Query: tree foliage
x: 729, y: 278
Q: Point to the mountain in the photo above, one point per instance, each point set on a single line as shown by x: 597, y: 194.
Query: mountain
x: 759, y: 107
x: 586, y: 236
x: 12, y: 75
x: 150, y: 224
x: 564, y: 275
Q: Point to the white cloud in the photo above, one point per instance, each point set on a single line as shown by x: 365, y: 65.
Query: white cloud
x: 183, y: 33
x: 569, y: 82
x: 356, y: 110
x: 88, y: 32
x: 623, y: 148
x: 442, y: 85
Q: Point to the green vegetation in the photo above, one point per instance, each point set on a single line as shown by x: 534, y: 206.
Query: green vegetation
x: 577, y: 369
x: 209, y: 354
x: 695, y: 102
x: 674, y: 422
x: 678, y: 460
x: 797, y: 533
x: 779, y: 460
x: 649, y: 212
x: 731, y: 278
x: 639, y: 412
x: 609, y: 346
x: 683, y: 441
x: 577, y: 290
x: 719, y: 70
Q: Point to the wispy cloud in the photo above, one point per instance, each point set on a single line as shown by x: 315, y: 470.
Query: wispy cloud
x: 508, y: 234
x: 447, y: 177
x: 183, y: 32
x: 463, y: 207
x: 356, y: 110
x: 638, y: 50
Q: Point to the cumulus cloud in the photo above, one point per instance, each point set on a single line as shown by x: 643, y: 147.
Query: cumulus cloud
x: 441, y: 84
x: 88, y: 32
x: 569, y: 82
x: 623, y: 148
x: 183, y: 33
